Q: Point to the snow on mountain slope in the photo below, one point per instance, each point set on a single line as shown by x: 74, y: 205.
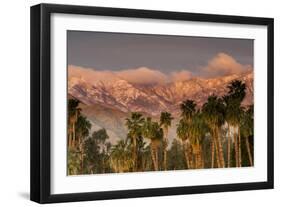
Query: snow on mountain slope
x: 117, y: 93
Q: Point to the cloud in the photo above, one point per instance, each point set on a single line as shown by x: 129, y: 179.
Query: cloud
x: 140, y: 75
x: 90, y: 74
x: 181, y: 75
x: 143, y: 75
x: 220, y: 65
x: 223, y: 64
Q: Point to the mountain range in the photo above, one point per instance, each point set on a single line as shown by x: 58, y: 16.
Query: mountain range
x: 107, y: 102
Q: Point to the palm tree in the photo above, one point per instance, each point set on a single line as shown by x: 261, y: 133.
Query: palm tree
x: 120, y: 157
x: 142, y: 154
x: 197, y: 130
x: 232, y: 114
x: 213, y: 112
x: 182, y: 133
x: 247, y: 129
x: 188, y: 109
x: 154, y: 132
x: 73, y: 113
x: 135, y: 126
x: 83, y: 127
x: 165, y: 122
x: 96, y: 149
x: 234, y: 111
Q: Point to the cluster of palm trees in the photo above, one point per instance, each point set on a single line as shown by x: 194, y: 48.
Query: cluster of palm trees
x: 216, y: 114
x: 140, y: 127
x: 78, y: 128
x: 216, y: 135
x: 196, y: 126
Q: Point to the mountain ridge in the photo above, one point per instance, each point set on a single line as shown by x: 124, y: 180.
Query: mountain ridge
x: 153, y: 99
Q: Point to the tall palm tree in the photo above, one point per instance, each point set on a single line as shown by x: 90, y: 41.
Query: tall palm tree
x: 233, y: 99
x: 232, y: 114
x: 165, y: 122
x: 182, y: 133
x: 213, y: 111
x: 120, y: 157
x: 247, y: 129
x: 188, y: 109
x: 83, y: 127
x: 73, y: 114
x: 197, y: 130
x: 154, y: 132
x: 135, y: 126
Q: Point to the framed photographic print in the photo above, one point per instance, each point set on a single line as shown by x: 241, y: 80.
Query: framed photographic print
x: 132, y: 103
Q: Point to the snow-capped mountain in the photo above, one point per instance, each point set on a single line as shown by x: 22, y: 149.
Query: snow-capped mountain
x: 117, y: 93
x: 107, y: 99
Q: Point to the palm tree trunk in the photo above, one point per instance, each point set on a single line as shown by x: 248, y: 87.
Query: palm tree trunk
x: 202, y: 158
x: 165, y: 148
x: 156, y: 159
x: 186, y: 156
x: 190, y: 157
x: 220, y: 149
x: 199, y: 159
x: 217, y: 153
x: 134, y: 154
x: 73, y: 135
x: 213, y: 153
x: 228, y: 147
x: 236, y: 149
x: 69, y: 137
x: 73, y: 129
x: 216, y: 148
x: 249, y: 151
x: 197, y: 165
x: 196, y: 149
x: 153, y: 157
x: 82, y: 162
x: 239, y: 148
x: 165, y: 159
x: 81, y: 155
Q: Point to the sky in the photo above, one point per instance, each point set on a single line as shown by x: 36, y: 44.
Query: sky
x: 175, y: 56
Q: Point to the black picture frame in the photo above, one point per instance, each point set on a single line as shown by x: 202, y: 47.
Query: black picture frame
x: 41, y: 96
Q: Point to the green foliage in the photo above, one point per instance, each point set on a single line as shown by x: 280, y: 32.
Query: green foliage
x: 97, y: 152
x: 166, y: 119
x: 182, y: 130
x: 197, y: 129
x: 176, y: 159
x: 121, y: 157
x: 72, y: 106
x: 213, y: 111
x: 188, y: 108
x: 152, y: 130
x: 247, y: 122
x: 82, y: 127
x: 73, y: 162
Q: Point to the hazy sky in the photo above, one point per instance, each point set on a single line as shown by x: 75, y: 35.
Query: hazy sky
x: 165, y: 53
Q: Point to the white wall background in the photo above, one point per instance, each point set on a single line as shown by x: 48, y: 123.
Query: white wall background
x: 14, y: 104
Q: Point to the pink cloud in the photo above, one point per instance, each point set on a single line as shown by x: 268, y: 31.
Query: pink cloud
x: 90, y: 75
x: 220, y: 65
x: 142, y: 75
x: 223, y: 64
x: 181, y: 75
